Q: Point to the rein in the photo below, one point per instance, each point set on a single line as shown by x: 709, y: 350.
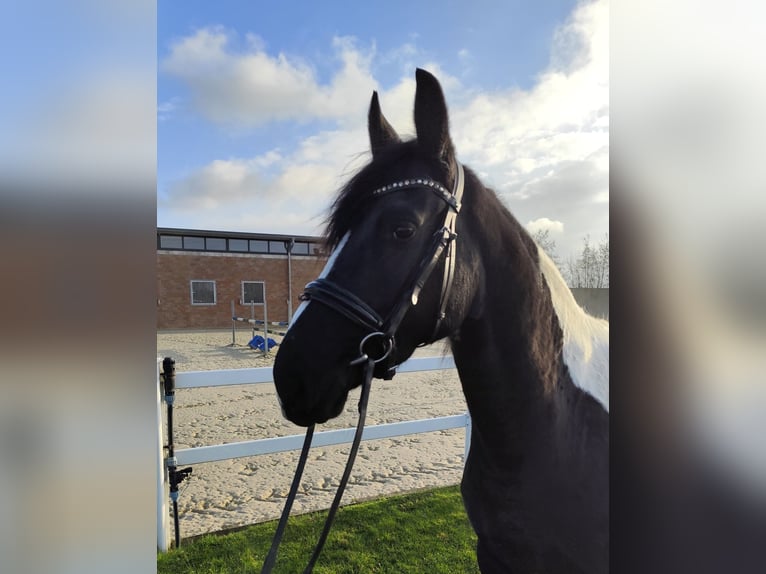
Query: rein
x: 352, y: 307
x: 271, y: 557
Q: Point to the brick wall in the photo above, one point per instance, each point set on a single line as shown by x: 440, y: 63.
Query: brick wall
x: 175, y: 270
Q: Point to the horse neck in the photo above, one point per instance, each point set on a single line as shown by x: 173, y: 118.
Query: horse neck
x: 509, y: 353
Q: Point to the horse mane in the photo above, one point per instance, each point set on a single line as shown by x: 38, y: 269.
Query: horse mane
x: 585, y: 338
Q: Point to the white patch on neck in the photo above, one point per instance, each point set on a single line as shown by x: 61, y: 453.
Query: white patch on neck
x: 586, y: 338
x: 325, y: 272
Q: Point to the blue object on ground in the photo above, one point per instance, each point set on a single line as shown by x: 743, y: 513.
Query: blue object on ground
x: 257, y: 343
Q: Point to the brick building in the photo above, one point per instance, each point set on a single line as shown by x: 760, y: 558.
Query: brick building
x: 200, y: 273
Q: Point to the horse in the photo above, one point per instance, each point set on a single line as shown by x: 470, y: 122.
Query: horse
x: 533, y: 365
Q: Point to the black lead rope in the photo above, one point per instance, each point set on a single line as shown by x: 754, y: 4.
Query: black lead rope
x: 271, y: 558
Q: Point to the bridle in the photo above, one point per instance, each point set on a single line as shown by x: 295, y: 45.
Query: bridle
x: 380, y: 330
x: 349, y: 305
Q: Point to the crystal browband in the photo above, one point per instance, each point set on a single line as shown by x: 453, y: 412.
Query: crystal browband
x: 435, y: 186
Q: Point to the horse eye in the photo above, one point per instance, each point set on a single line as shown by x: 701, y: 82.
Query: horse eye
x: 404, y: 231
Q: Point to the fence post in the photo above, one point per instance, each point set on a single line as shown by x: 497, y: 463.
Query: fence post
x: 289, y: 244
x: 163, y: 521
x: 265, y: 323
x: 233, y: 326
x: 252, y: 318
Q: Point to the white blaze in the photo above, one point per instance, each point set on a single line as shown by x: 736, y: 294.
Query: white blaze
x: 325, y: 272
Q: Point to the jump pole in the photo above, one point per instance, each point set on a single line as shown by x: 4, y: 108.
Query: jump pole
x: 234, y: 320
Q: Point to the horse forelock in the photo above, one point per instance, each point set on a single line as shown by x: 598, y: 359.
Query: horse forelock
x: 585, y: 338
x: 357, y: 193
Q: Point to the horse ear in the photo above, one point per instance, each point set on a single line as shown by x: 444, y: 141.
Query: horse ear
x: 381, y: 133
x: 431, y: 120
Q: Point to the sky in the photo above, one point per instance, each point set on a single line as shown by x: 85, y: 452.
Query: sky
x: 262, y: 107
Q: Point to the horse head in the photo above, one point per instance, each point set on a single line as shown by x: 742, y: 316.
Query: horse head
x: 385, y: 228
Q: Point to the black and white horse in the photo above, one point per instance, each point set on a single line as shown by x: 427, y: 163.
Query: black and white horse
x: 533, y: 365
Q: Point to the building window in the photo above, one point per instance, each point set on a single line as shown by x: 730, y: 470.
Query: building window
x: 253, y: 292
x: 238, y: 245
x: 171, y: 242
x: 203, y: 292
x: 259, y: 246
x: 224, y: 244
x: 196, y: 243
x: 215, y: 244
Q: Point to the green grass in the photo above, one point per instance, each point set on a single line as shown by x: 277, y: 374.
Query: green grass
x: 416, y: 533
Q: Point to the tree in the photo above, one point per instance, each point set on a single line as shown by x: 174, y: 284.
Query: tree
x: 543, y: 238
x: 591, y: 268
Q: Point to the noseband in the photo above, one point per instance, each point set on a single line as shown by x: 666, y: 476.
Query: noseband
x: 381, y: 330
x: 352, y: 307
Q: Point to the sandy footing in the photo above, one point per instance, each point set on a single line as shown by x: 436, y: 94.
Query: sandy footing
x: 244, y: 491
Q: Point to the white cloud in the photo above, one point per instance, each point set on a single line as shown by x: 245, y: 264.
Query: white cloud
x: 166, y: 109
x: 213, y: 185
x: 301, y: 182
x: 545, y: 149
x: 250, y: 87
x: 564, y: 116
x: 544, y: 223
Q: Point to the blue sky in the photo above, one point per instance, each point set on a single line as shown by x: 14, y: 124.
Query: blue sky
x: 262, y: 106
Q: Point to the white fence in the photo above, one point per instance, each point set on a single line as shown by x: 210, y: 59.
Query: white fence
x: 197, y: 455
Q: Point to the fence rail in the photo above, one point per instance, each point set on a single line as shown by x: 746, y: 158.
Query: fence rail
x: 260, y: 375
x: 204, y: 454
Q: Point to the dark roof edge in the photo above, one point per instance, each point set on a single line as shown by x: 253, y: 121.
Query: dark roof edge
x: 237, y: 234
